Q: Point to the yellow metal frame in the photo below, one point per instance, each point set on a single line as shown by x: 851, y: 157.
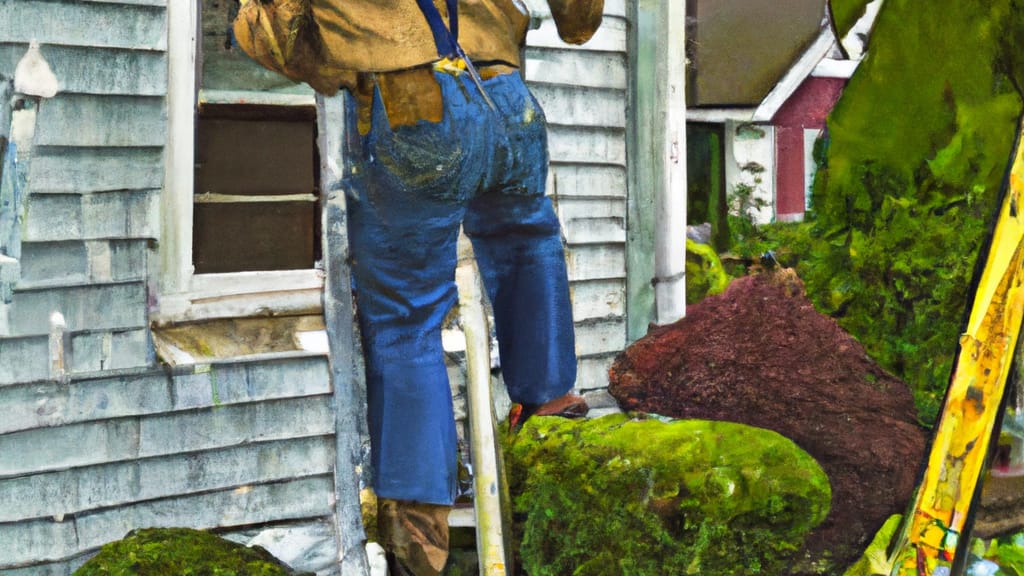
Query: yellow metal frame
x: 931, y: 532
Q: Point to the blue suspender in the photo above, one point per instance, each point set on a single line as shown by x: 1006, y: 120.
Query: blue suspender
x: 447, y: 40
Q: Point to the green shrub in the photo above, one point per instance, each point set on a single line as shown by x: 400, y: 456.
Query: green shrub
x: 704, y: 273
x: 918, y: 149
x: 846, y: 13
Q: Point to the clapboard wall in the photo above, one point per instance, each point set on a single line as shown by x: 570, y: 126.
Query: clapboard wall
x: 239, y: 446
x: 121, y: 442
x: 234, y: 445
x: 583, y: 90
x: 94, y: 179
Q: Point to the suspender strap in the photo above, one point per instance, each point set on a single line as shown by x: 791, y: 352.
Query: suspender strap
x: 447, y: 41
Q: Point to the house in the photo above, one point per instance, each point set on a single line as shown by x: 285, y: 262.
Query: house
x: 763, y: 77
x: 162, y: 276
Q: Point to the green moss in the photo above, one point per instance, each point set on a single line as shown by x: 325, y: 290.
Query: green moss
x: 919, y: 146
x: 181, y: 552
x: 615, y: 496
x: 704, y: 273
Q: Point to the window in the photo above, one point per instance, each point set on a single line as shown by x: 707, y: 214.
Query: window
x: 241, y: 211
x: 254, y: 197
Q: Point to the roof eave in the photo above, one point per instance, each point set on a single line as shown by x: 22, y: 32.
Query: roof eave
x: 818, y: 50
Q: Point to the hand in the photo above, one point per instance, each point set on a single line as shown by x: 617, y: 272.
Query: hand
x: 577, y: 20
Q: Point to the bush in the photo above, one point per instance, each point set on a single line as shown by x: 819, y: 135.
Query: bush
x: 704, y: 273
x: 918, y: 150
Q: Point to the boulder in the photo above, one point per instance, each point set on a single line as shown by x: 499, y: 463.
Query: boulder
x: 618, y: 495
x: 172, y: 551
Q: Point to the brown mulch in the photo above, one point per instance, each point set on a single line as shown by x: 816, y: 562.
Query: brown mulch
x: 760, y: 354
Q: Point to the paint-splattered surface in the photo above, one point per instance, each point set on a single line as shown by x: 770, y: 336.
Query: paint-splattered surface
x: 760, y: 354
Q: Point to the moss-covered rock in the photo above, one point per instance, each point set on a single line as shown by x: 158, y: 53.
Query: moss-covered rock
x: 705, y: 275
x: 182, y: 551
x: 617, y: 495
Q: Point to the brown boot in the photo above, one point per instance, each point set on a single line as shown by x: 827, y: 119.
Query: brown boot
x: 414, y: 536
x: 569, y: 405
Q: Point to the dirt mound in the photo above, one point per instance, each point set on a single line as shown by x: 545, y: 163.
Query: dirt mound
x: 760, y: 354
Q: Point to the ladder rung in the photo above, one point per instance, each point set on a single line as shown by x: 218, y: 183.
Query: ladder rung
x: 462, y: 517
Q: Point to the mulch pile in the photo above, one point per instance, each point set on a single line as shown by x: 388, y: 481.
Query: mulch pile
x: 760, y: 354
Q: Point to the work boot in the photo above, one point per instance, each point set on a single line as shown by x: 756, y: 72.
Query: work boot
x: 570, y: 405
x: 414, y: 536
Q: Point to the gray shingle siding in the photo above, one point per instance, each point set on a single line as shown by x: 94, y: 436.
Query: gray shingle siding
x: 124, y: 443
x: 123, y: 24
x: 584, y: 92
x: 94, y: 177
x: 226, y: 445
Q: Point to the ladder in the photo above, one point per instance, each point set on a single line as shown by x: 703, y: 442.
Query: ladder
x: 490, y: 492
x: 935, y: 534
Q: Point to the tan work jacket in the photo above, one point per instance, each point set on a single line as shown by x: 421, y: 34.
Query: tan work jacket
x: 327, y: 43
x: 384, y: 35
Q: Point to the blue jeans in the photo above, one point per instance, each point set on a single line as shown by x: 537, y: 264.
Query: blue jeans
x: 409, y: 190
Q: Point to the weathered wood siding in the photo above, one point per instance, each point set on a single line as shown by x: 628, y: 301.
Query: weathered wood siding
x: 231, y: 445
x: 124, y: 443
x: 583, y: 90
x: 94, y: 179
x: 236, y: 446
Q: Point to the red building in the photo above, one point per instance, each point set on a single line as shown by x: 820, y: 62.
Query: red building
x: 798, y: 125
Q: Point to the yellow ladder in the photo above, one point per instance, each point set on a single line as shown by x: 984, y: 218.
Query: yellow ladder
x: 934, y: 536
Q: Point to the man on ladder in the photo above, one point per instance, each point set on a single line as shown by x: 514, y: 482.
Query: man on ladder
x: 441, y: 133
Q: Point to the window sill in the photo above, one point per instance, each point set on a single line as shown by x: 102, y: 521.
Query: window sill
x: 295, y: 98
x: 212, y: 341
x: 244, y: 295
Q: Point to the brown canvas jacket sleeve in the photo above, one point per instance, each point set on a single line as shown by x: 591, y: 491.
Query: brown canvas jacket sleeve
x: 576, y: 20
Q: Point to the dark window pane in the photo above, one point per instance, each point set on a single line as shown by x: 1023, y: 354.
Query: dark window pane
x: 237, y: 237
x: 256, y: 189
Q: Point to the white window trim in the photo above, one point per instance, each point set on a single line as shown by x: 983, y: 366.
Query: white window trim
x: 183, y: 294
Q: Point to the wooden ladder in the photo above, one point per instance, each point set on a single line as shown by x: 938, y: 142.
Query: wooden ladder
x: 490, y: 491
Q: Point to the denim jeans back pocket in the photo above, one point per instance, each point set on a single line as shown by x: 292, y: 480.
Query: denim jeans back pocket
x: 440, y: 160
x: 522, y: 149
